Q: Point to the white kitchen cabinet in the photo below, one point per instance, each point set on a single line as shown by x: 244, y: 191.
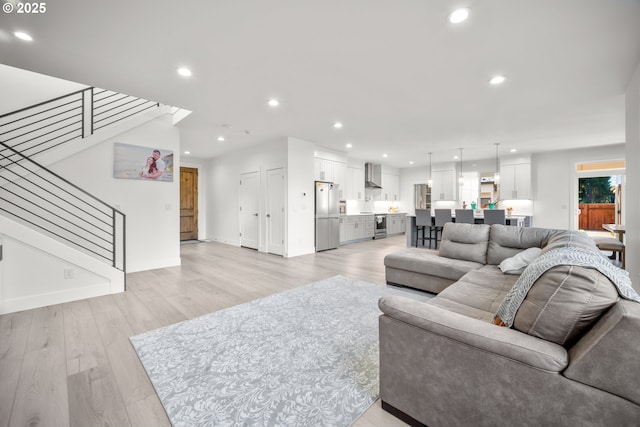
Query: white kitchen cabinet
x: 444, y: 185
x: 355, y: 184
x: 390, y: 188
x: 332, y: 171
x: 343, y: 229
x: 323, y: 169
x: 396, y: 224
x: 355, y: 227
x: 340, y: 178
x: 369, y: 226
x: 359, y: 227
x: 515, y: 181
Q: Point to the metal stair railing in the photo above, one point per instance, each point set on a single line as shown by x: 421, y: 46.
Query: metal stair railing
x: 38, y: 128
x: 41, y: 199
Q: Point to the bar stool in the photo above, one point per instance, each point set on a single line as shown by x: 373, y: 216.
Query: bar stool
x: 443, y: 216
x: 423, y: 220
x: 611, y: 244
x: 464, y: 216
x: 494, y: 216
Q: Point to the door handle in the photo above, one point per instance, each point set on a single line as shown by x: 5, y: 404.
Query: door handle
x: 255, y: 214
x: 268, y: 215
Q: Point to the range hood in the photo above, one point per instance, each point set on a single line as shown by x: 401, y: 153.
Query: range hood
x: 372, y: 175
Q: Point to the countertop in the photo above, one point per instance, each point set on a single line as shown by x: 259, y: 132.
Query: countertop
x: 374, y: 213
x: 481, y: 215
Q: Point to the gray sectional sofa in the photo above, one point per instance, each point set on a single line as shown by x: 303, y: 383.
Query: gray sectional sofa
x: 570, y: 358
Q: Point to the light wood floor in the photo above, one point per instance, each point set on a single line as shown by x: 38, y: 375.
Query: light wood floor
x: 73, y: 365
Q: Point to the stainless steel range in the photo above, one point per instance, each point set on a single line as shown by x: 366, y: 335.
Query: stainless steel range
x: 380, y: 226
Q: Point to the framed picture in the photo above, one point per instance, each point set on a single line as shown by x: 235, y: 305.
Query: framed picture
x: 145, y: 163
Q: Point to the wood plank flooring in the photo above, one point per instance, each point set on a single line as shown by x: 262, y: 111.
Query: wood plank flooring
x: 73, y: 365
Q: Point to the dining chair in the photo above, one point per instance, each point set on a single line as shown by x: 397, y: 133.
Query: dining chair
x: 494, y: 216
x: 464, y: 216
x: 423, y: 221
x: 443, y: 216
x: 611, y: 244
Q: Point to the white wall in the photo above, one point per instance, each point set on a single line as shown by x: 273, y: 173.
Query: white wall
x: 152, y: 208
x: 21, y: 88
x: 223, y: 188
x: 554, y: 180
x: 632, y: 238
x: 22, y: 281
x: 301, y: 198
x: 202, y: 195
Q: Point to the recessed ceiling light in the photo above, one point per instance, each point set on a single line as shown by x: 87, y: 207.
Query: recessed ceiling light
x: 221, y: 138
x: 187, y: 152
x: 456, y: 157
x: 337, y: 125
x: 513, y: 150
x: 496, y: 80
x: 23, y: 36
x: 349, y: 145
x: 384, y: 155
x: 273, y: 102
x: 411, y: 162
x: 184, y: 72
x: 459, y: 15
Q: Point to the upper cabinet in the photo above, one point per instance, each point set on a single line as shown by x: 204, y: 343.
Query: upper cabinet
x: 340, y: 178
x: 331, y: 171
x: 323, y: 169
x: 515, y: 181
x: 355, y: 184
x: 390, y: 187
x: 444, y: 185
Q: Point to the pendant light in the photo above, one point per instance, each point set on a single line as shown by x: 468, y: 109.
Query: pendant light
x: 496, y: 175
x: 460, y: 177
x: 430, y: 181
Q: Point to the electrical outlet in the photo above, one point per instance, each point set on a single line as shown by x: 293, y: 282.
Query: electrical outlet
x: 68, y: 273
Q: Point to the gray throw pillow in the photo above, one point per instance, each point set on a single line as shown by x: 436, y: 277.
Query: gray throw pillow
x: 516, y: 264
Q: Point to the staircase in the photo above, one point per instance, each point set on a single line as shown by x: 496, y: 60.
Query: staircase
x: 50, y: 216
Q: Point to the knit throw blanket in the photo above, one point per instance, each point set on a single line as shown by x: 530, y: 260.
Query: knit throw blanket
x: 570, y: 255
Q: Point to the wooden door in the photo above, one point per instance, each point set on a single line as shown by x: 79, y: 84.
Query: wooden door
x: 188, y: 203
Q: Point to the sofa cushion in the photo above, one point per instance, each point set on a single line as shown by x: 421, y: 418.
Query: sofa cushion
x: 565, y: 302
x: 506, y: 241
x: 574, y: 239
x: 429, y: 263
x: 477, y: 294
x: 465, y: 242
x: 517, y: 263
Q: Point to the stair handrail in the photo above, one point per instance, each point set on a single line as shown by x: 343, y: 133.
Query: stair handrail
x: 80, y: 114
x: 115, y: 212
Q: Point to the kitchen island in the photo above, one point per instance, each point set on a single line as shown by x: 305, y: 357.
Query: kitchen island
x: 511, y: 220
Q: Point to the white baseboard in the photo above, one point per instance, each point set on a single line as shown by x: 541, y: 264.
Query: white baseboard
x: 58, y: 297
x: 225, y: 240
x: 153, y: 264
x: 306, y: 251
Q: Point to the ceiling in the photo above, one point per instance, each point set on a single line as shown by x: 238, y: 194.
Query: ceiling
x: 401, y: 78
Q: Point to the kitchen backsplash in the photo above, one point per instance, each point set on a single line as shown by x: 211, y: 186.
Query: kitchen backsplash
x: 357, y: 206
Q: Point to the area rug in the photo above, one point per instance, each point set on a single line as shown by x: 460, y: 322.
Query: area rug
x: 303, y: 357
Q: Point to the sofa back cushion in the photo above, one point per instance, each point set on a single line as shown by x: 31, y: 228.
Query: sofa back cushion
x: 465, y: 241
x: 570, y: 238
x: 564, y: 303
x: 506, y: 241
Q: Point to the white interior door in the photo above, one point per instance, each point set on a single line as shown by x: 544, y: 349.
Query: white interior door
x: 275, y: 211
x: 249, y: 209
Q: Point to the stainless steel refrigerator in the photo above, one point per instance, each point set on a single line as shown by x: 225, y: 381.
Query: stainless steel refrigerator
x: 327, y: 221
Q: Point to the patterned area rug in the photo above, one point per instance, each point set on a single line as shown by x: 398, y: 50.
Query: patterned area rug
x: 303, y: 357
